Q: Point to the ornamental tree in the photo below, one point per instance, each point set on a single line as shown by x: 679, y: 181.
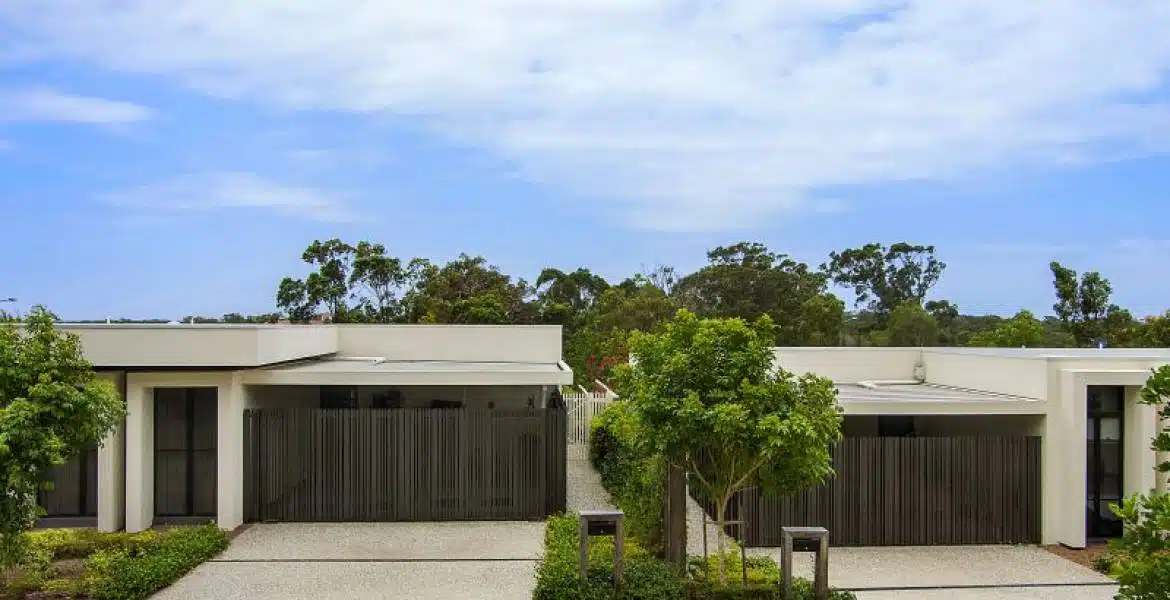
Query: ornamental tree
x: 52, y: 408
x: 710, y: 400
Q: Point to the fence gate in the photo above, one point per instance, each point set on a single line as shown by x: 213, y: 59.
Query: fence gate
x: 404, y: 464
x: 580, y: 410
x: 894, y: 491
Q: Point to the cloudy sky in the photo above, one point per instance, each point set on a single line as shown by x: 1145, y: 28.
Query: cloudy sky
x: 168, y: 158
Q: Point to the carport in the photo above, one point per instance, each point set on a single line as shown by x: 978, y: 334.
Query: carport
x: 920, y: 465
x: 370, y: 439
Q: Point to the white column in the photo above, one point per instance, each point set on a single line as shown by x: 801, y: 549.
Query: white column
x: 112, y: 481
x: 1064, y: 463
x: 230, y: 457
x: 139, y: 436
x: 111, y: 465
x: 1140, y: 425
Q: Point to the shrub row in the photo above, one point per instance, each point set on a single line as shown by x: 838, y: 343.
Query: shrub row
x: 133, y: 572
x: 558, y: 574
x: 649, y: 578
x: 633, y: 478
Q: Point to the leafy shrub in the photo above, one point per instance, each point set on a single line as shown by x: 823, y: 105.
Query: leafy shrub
x: 63, y: 544
x: 633, y: 478
x: 1142, y: 555
x: 558, y: 573
x: 647, y: 577
x: 761, y: 570
x: 1103, y: 563
x: 137, y: 571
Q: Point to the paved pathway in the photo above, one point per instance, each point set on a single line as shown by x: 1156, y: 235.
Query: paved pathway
x: 344, y: 561
x: 585, y: 491
x: 958, y: 573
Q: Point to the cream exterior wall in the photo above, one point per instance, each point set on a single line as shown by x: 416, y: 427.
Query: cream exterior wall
x: 1014, y: 376
x: 111, y: 483
x: 468, y: 343
x: 200, y: 345
x: 851, y: 365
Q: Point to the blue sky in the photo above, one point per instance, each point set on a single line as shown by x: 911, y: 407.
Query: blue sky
x: 157, y: 163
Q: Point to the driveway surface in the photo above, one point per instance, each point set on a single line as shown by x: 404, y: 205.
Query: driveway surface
x: 327, y: 561
x: 958, y: 573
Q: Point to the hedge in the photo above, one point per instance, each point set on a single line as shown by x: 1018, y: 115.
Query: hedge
x: 633, y: 479
x: 558, y: 573
x: 136, y: 572
x: 647, y: 577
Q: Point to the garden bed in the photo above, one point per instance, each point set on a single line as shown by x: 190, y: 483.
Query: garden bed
x: 650, y: 578
x: 85, y: 563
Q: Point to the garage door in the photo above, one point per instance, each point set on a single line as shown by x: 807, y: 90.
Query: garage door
x: 894, y: 491
x: 404, y: 464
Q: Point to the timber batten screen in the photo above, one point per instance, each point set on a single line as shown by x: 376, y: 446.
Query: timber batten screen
x: 911, y: 491
x: 404, y: 464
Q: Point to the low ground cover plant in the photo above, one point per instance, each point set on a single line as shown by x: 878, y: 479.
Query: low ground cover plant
x: 85, y: 563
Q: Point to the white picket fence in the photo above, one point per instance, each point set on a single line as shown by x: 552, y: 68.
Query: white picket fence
x: 581, y: 406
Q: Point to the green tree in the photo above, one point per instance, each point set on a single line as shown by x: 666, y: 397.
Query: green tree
x: 1023, y: 330
x: 354, y: 284
x: 885, y: 278
x: 1155, y: 331
x: 910, y: 325
x: 946, y: 314
x: 823, y: 321
x: 710, y: 400
x: 1142, y: 567
x: 746, y: 280
x: 599, y: 344
x: 1084, y: 309
x: 564, y: 297
x: 52, y: 408
x: 467, y: 290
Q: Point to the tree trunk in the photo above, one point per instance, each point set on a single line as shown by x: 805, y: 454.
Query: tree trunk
x: 721, y: 523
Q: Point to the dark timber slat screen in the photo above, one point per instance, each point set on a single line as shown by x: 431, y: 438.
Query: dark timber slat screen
x: 404, y: 464
x: 894, y: 491
x: 73, y: 488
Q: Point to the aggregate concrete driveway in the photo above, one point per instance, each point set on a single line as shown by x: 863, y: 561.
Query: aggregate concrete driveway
x: 336, y: 561
x: 957, y: 573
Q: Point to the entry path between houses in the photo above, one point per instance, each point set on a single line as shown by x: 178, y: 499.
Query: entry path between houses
x: 346, y: 561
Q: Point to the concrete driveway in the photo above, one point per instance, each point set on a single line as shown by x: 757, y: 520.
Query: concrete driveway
x: 958, y: 573
x: 343, y: 561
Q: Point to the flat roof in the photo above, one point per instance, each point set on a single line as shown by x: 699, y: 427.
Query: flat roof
x: 343, y: 371
x: 928, y: 398
x: 1106, y: 353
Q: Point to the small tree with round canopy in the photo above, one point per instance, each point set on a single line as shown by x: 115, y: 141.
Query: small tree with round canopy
x: 710, y: 399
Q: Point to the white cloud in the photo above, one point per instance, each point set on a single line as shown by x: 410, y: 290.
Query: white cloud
x: 44, y: 104
x: 686, y: 114
x: 226, y: 191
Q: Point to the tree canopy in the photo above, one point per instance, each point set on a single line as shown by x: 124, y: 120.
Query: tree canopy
x: 52, y: 408
x: 711, y: 401
x: 885, y: 278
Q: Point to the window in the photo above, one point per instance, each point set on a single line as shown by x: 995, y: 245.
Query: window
x: 895, y: 426
x: 338, y: 396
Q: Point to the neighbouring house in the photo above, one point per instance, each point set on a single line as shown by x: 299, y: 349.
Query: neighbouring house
x: 241, y: 423
x: 969, y: 446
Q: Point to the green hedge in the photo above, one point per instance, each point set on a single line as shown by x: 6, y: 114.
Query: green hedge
x: 558, y: 573
x: 633, y: 479
x: 137, y: 571
x: 647, y: 577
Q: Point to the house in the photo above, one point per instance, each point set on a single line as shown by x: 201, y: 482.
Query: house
x: 966, y: 445
x: 287, y: 422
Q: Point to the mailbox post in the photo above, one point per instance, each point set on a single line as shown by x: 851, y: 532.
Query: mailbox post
x: 805, y: 539
x: 602, y: 522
